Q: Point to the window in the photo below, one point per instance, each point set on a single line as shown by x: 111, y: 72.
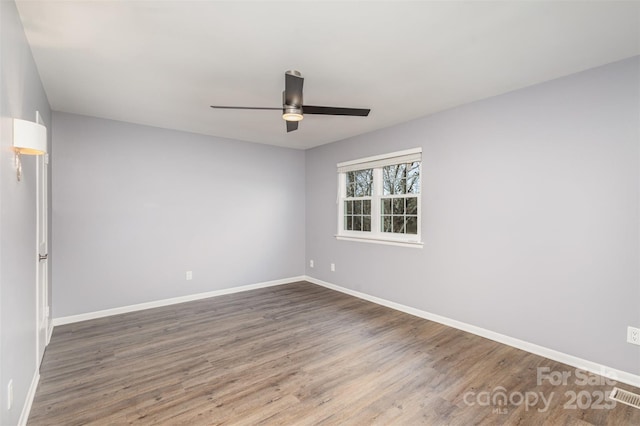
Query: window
x: 357, y: 204
x: 379, y: 198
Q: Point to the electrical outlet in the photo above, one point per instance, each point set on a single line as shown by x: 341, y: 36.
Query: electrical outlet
x: 333, y: 267
x: 311, y: 263
x: 189, y: 275
x: 10, y: 395
x: 633, y: 335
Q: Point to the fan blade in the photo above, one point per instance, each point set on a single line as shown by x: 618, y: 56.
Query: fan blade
x: 293, y: 88
x: 312, y: 109
x: 240, y: 107
x: 291, y: 126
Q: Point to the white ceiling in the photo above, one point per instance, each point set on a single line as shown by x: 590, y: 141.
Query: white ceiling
x: 162, y: 63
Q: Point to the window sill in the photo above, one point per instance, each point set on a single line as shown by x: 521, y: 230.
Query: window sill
x: 415, y: 244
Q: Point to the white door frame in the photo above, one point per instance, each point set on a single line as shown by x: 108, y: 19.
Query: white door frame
x: 42, y: 247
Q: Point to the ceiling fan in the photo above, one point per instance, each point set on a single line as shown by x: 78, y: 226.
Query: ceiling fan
x: 293, y: 109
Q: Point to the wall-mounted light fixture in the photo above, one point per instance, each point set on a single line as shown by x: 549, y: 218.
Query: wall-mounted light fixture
x: 29, y: 138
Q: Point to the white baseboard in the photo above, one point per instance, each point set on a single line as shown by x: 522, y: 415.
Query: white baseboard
x: 165, y: 302
x: 26, y: 408
x: 583, y: 364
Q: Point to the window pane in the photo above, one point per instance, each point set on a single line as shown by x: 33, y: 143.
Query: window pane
x: 401, y: 180
x: 359, y: 183
x: 389, y: 172
x: 347, y: 223
x: 350, y: 178
x: 388, y: 180
x: 413, y: 185
x: 366, y: 207
x: 413, y: 178
x: 412, y: 205
x: 415, y: 189
x: 401, y: 186
x: 386, y: 223
x: 348, y: 207
x: 398, y: 224
x: 357, y: 207
x: 412, y: 224
x: 386, y: 206
x: 357, y: 223
x: 398, y: 206
x: 413, y: 169
x: 366, y: 223
x: 393, y: 179
x: 364, y: 182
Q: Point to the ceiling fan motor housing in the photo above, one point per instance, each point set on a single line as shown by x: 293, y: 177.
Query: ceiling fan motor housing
x: 294, y: 72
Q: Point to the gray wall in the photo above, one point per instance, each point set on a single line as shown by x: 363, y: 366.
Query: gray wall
x: 530, y: 215
x: 135, y: 207
x: 22, y: 95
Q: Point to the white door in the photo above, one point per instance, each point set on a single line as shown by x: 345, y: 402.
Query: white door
x: 42, y: 286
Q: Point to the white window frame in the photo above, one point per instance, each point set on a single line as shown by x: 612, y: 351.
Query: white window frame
x: 377, y: 163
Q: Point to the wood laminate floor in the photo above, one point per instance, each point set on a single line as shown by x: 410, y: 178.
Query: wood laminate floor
x: 302, y: 354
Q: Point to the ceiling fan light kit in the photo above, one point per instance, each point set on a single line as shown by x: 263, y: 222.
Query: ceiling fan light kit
x: 293, y: 109
x: 292, y: 114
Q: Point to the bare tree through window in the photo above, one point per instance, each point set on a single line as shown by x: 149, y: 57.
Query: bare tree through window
x: 400, y: 209
x: 379, y: 198
x: 357, y: 210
